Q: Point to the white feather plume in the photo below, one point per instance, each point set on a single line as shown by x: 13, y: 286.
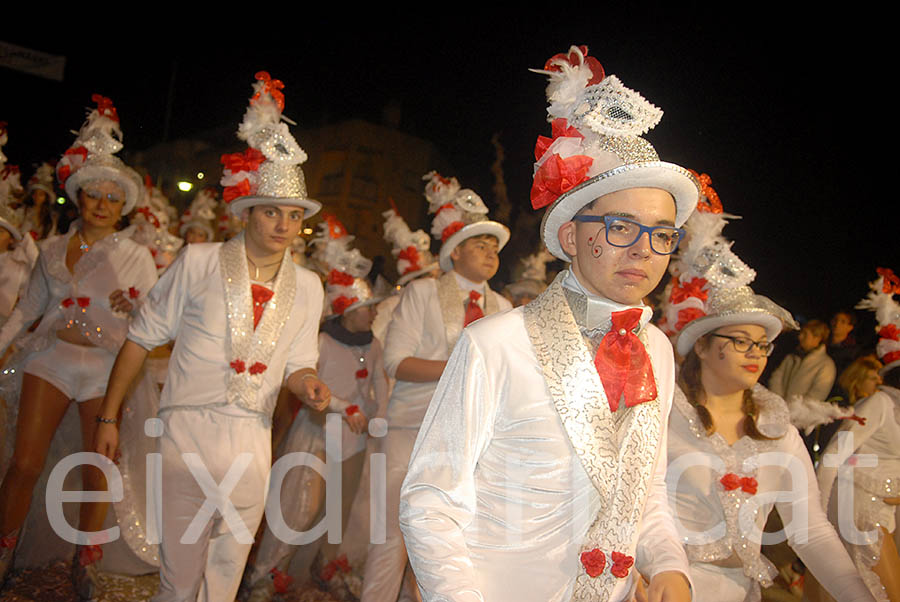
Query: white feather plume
x: 807, y: 413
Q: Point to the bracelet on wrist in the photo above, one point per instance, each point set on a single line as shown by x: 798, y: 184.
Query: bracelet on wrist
x: 106, y: 420
x: 309, y: 375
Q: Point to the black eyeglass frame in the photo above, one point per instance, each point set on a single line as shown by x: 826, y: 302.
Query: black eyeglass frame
x: 765, y: 348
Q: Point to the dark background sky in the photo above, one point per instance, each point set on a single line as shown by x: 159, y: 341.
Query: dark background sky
x: 785, y: 108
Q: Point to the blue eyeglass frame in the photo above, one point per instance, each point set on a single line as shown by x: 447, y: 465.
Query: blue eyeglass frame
x: 606, y: 219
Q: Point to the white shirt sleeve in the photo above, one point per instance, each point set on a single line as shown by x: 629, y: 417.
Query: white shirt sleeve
x: 159, y: 317
x: 438, y: 497
x: 810, y: 534
x: 405, y: 331
x: 304, y: 352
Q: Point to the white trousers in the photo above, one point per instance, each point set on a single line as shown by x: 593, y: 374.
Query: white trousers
x: 386, y: 562
x: 215, y: 473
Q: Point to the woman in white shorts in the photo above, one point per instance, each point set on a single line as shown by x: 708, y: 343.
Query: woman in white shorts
x: 83, y: 288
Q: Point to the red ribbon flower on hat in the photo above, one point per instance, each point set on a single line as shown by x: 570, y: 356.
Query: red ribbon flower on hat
x: 891, y: 281
x: 240, y: 189
x: 105, y: 107
x: 249, y: 160
x: 280, y: 580
x: 340, y: 278
x: 410, y: 254
x: 335, y: 228
x: 597, y: 73
x: 889, y: 331
x: 713, y: 204
x: 556, y: 176
x: 340, y: 304
x: 682, y: 291
x: 623, y: 364
x: 272, y: 87
x: 451, y: 230
x: 560, y: 129
x: 731, y: 481
x: 686, y: 316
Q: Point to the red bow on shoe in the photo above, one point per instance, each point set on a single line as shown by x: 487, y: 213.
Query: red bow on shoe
x: 623, y: 364
x: 473, y: 310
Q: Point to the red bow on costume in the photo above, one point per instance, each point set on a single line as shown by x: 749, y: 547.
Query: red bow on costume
x: 238, y: 366
x: 623, y: 364
x: 685, y: 290
x: 332, y: 567
x: 261, y: 296
x: 89, y: 555
x: 473, y: 310
x: 352, y: 409
x: 594, y: 561
x: 280, y: 580
x: 83, y: 302
x: 133, y: 292
x: 410, y: 254
x: 891, y: 281
x: 731, y: 482
x: 257, y: 368
x: 556, y: 176
x: 362, y: 373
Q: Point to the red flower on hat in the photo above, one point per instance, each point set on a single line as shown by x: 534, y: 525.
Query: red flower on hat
x: 712, y: 204
x: 340, y: 278
x: 685, y: 290
x: 257, y: 368
x: 561, y: 129
x: 240, y: 189
x: 686, y: 316
x: 249, y: 160
x: 281, y: 580
x: 238, y: 366
x: 556, y: 176
x: 272, y: 87
x: 340, y: 304
x: 891, y: 281
x: 410, y: 254
x: 451, y: 230
x: 335, y: 228
x: 572, y: 58
x: 889, y: 332
x: 594, y: 561
x: 621, y: 564
x: 105, y: 107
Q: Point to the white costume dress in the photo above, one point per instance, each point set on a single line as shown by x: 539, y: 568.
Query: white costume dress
x: 68, y: 300
x: 426, y: 324
x: 355, y: 376
x: 15, y: 268
x: 521, y: 466
x: 223, y: 381
x: 879, y: 437
x: 710, y: 508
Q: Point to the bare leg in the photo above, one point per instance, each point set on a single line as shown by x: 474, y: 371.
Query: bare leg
x: 91, y: 514
x: 888, y: 567
x: 41, y: 409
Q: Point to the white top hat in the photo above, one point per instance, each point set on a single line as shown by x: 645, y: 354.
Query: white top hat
x: 887, y: 313
x: 596, y: 148
x: 710, y: 284
x: 532, y: 279
x: 459, y: 214
x: 346, y: 288
x: 200, y: 214
x: 42, y: 179
x: 92, y: 156
x: 269, y: 171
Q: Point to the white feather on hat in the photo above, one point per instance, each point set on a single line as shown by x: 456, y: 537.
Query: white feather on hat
x: 410, y: 249
x: 345, y: 287
x: 887, y: 313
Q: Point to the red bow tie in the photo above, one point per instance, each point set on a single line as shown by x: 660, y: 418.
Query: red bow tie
x: 261, y: 296
x: 732, y: 481
x: 473, y: 310
x: 623, y: 364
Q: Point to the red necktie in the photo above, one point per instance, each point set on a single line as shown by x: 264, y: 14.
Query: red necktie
x: 623, y: 364
x: 261, y: 296
x: 473, y: 311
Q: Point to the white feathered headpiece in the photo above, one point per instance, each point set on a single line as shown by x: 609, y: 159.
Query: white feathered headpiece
x: 887, y: 312
x: 345, y: 288
x: 410, y: 249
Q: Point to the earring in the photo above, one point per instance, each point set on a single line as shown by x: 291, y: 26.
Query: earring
x: 721, y: 355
